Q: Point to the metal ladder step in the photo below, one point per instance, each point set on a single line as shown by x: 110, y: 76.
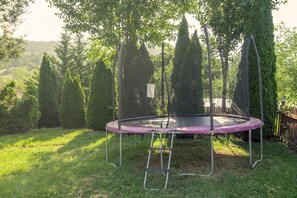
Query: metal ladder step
x: 160, y: 149
x: 164, y: 170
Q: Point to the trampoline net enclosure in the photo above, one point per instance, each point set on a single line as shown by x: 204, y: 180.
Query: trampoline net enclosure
x: 168, y: 95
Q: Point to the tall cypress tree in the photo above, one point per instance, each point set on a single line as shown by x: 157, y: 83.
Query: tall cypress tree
x: 131, y: 79
x: 147, y: 71
x: 197, y: 83
x: 72, y: 109
x: 48, y: 95
x: 182, y: 43
x: 259, y: 23
x: 99, y: 110
x: 138, y: 71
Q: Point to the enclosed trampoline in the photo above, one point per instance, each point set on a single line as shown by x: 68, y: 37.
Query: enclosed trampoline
x: 197, y: 100
x: 191, y: 124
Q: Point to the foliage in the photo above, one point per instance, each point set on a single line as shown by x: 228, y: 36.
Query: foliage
x: 182, y: 43
x: 189, y: 90
x: 64, y: 53
x: 31, y: 85
x: 10, y: 12
x: 17, y: 115
x: 240, y: 97
x: 99, y: 108
x: 48, y: 94
x: 24, y: 115
x: 138, y: 71
x: 8, y: 95
x: 146, y: 75
x: 98, y: 51
x: 186, y: 77
x: 197, y: 83
x: 80, y: 63
x: 225, y: 18
x: 72, y: 109
x: 258, y: 23
x: 149, y: 21
x: 157, y: 78
x: 286, y: 75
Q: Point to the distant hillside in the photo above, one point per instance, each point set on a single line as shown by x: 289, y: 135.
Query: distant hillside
x: 32, y: 56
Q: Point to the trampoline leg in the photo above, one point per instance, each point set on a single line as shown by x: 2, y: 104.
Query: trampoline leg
x: 114, y: 141
x: 106, y: 146
x: 148, y: 161
x: 106, y: 151
x: 254, y: 164
x: 227, y: 139
x: 169, y: 161
x: 121, y: 140
x: 161, y: 153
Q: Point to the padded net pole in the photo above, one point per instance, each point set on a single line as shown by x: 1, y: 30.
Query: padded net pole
x: 162, y: 80
x: 120, y: 75
x: 210, y: 79
x: 259, y: 78
x: 113, y: 83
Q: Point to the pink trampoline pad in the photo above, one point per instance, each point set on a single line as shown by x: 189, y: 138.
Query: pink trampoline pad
x: 196, y: 124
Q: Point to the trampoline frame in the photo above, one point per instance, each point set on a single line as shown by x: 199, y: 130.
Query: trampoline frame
x: 252, y: 163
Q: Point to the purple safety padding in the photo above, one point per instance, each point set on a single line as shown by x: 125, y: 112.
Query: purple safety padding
x: 244, y: 125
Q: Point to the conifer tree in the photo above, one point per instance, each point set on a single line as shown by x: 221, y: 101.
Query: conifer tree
x: 80, y: 65
x: 99, y: 108
x: 72, y: 109
x: 138, y: 71
x: 131, y: 74
x: 48, y: 95
x: 64, y: 53
x: 259, y: 23
x: 181, y: 46
x: 197, y: 83
x: 147, y: 71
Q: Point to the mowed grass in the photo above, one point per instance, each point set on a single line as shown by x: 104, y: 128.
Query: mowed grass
x: 71, y: 163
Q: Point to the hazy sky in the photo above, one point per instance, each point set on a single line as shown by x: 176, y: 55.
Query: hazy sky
x: 41, y: 23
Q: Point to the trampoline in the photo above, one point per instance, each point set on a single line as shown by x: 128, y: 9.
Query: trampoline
x: 191, y: 124
x: 188, y: 110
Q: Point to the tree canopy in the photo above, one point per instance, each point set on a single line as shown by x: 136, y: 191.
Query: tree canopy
x: 152, y: 21
x: 286, y: 75
x: 10, y: 12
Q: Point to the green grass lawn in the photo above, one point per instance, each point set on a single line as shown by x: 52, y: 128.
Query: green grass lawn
x: 71, y: 163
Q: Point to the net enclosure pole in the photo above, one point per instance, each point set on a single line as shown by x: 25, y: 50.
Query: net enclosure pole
x: 162, y: 79
x: 120, y: 75
x: 259, y: 78
x: 253, y: 165
x: 210, y: 101
x: 113, y: 83
x: 210, y: 79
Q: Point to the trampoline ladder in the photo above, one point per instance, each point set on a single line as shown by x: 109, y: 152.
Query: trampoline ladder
x: 161, y: 170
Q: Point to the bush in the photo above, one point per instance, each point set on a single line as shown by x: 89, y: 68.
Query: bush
x: 24, y: 115
x: 99, y: 110
x: 72, y: 109
x: 17, y: 115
